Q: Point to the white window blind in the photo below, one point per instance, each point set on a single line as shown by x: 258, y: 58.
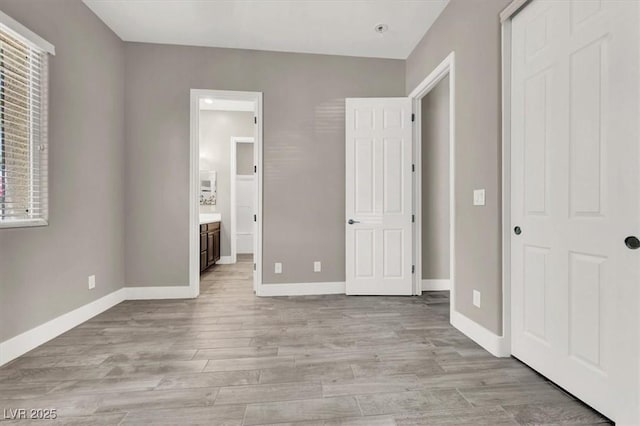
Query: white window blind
x: 23, y: 131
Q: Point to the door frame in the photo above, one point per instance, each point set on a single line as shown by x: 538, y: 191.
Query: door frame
x: 505, y: 29
x: 444, y: 69
x: 194, y: 181
x: 235, y: 140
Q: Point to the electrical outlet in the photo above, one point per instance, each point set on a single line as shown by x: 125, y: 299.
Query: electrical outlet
x: 278, y: 268
x: 92, y: 282
x: 476, y: 298
x: 317, y: 266
x: 478, y: 197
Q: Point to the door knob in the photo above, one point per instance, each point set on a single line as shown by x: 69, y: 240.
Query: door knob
x: 517, y: 230
x: 351, y: 221
x: 632, y: 242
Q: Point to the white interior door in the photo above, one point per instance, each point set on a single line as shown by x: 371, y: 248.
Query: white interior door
x: 245, y: 185
x: 575, y: 198
x: 378, y: 196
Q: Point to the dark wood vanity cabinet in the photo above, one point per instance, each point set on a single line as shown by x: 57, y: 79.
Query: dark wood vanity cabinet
x: 209, y: 244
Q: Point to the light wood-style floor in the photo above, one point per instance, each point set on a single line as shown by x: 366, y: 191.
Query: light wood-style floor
x: 230, y: 358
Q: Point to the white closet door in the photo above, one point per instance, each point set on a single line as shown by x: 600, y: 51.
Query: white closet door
x: 575, y: 198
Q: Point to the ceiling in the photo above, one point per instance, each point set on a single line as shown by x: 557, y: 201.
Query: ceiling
x: 337, y: 27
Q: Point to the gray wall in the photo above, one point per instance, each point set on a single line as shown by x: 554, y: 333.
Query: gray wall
x: 216, y: 130
x: 435, y: 182
x: 44, y: 270
x: 472, y: 30
x: 304, y: 159
x: 244, y: 159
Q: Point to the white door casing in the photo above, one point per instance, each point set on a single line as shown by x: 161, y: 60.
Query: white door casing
x: 378, y: 196
x: 575, y: 194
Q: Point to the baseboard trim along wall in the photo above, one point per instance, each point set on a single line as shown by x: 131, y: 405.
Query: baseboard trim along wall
x: 301, y: 289
x: 158, y: 293
x: 225, y: 260
x: 31, y: 339
x: 436, y: 285
x: 492, y: 343
x: 23, y: 343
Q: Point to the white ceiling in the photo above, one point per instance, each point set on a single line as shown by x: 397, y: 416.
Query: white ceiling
x: 338, y: 27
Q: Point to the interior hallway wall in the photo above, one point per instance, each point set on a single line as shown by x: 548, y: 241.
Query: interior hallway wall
x: 472, y: 30
x: 435, y: 183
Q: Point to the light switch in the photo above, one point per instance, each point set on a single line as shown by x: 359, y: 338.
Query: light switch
x: 278, y: 268
x: 476, y: 298
x: 478, y: 197
x: 317, y: 266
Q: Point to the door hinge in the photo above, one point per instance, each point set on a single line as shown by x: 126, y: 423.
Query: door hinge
x: 255, y: 120
x: 413, y: 269
x: 255, y: 218
x: 254, y: 266
x: 255, y: 169
x: 413, y: 167
x: 413, y: 218
x: 413, y: 117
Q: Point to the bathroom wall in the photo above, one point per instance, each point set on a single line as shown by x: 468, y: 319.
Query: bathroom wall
x: 216, y: 130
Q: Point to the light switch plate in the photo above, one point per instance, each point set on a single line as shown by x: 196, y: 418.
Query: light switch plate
x: 92, y: 282
x: 278, y: 268
x: 476, y: 298
x: 317, y: 266
x: 478, y: 197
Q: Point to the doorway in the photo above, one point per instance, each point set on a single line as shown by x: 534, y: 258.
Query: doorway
x: 242, y: 180
x: 434, y: 180
x: 223, y: 175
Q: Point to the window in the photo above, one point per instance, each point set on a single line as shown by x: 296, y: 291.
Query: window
x: 23, y: 127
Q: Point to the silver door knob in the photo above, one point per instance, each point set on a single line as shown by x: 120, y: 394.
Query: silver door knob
x: 351, y: 221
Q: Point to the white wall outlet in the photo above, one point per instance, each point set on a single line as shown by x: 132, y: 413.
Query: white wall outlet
x: 478, y: 197
x: 476, y: 298
x: 317, y: 266
x: 92, y: 282
x: 278, y: 268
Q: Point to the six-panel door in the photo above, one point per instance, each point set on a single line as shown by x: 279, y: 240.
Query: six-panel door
x: 378, y: 196
x: 575, y: 195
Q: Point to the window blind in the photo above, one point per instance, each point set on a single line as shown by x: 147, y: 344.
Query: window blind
x: 23, y: 131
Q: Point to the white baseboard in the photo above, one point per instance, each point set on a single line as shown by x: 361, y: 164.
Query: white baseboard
x: 158, y: 293
x: 301, y: 289
x: 492, y: 343
x: 436, y: 285
x: 23, y: 343
x: 225, y: 260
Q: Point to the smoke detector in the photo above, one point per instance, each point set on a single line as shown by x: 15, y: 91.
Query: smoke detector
x: 381, y: 28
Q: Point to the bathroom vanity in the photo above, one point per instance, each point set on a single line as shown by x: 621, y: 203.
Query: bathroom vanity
x: 209, y: 240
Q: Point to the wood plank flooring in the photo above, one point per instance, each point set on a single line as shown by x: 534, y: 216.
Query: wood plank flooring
x: 230, y: 358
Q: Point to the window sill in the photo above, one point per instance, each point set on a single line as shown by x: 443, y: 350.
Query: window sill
x: 23, y: 223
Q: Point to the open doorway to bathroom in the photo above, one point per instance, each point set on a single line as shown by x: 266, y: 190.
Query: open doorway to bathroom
x: 226, y: 196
